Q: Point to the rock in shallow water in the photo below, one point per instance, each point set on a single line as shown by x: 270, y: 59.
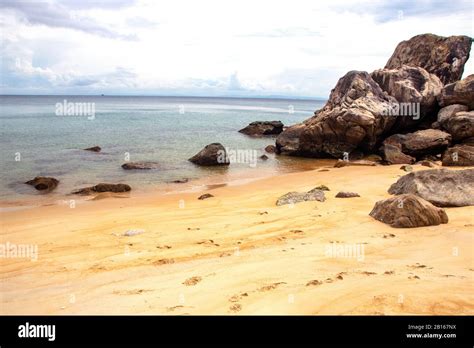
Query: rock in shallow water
x: 103, y: 187
x: 43, y: 183
x: 140, y: 165
x: 408, y: 210
x: 93, y: 149
x: 441, y: 187
x: 261, y: 128
x: 212, y: 155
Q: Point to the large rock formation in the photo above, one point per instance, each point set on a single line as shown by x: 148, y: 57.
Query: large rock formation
x: 461, y: 92
x: 407, y: 211
x: 414, y: 87
x: 353, y: 117
x: 441, y: 187
x: 364, y: 109
x: 261, y: 128
x: 43, y: 183
x: 443, y: 56
x: 212, y: 155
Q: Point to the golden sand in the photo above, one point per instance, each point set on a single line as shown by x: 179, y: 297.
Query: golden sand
x: 238, y: 253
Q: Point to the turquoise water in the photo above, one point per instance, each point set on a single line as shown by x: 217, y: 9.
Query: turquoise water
x: 35, y: 141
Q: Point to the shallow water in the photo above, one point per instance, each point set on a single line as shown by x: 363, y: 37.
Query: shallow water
x: 35, y: 141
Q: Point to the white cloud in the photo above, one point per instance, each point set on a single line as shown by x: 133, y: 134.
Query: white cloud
x: 209, y: 47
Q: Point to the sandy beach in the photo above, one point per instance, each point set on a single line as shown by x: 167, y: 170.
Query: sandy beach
x: 239, y: 253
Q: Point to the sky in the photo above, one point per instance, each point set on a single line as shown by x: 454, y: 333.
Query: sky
x: 291, y: 48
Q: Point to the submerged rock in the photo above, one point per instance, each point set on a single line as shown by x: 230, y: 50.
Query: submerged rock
x: 212, y: 155
x: 94, y: 149
x: 43, y: 183
x: 407, y: 211
x: 140, y: 165
x: 441, y: 187
x: 103, y: 187
x: 261, y: 128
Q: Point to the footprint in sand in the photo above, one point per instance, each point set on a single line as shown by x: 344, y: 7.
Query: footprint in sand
x: 163, y: 262
x: 238, y: 297
x: 235, y: 308
x: 313, y: 282
x: 389, y: 272
x: 270, y: 287
x: 192, y: 281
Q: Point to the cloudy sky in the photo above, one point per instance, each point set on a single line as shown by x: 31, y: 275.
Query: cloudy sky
x: 205, y: 47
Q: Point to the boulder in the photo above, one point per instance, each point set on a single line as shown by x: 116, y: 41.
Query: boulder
x: 288, y: 142
x: 460, y: 92
x: 296, y: 197
x: 261, y: 128
x: 407, y: 210
x: 460, y: 125
x: 43, y: 183
x: 93, y: 149
x: 212, y: 155
x: 344, y: 194
x: 442, y: 56
x: 449, y: 111
x: 441, y: 187
x: 415, y: 90
x: 103, y: 187
x: 392, y: 153
x: 353, y: 118
x: 140, y: 165
x: 270, y: 148
x: 459, y: 155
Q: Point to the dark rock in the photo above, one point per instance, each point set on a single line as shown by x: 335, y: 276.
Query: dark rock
x: 459, y: 125
x: 288, y: 142
x: 426, y: 163
x: 43, y: 183
x: 393, y: 154
x: 264, y: 157
x: 296, y: 197
x: 140, y: 165
x: 459, y: 155
x: 407, y: 210
x: 270, y: 148
x: 449, y: 111
x: 441, y: 187
x: 205, y: 196
x: 460, y: 92
x: 103, y: 187
x: 180, y: 181
x: 343, y: 194
x: 443, y: 56
x: 94, y: 149
x: 213, y: 154
x: 322, y: 188
x: 261, y: 128
x: 423, y: 142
